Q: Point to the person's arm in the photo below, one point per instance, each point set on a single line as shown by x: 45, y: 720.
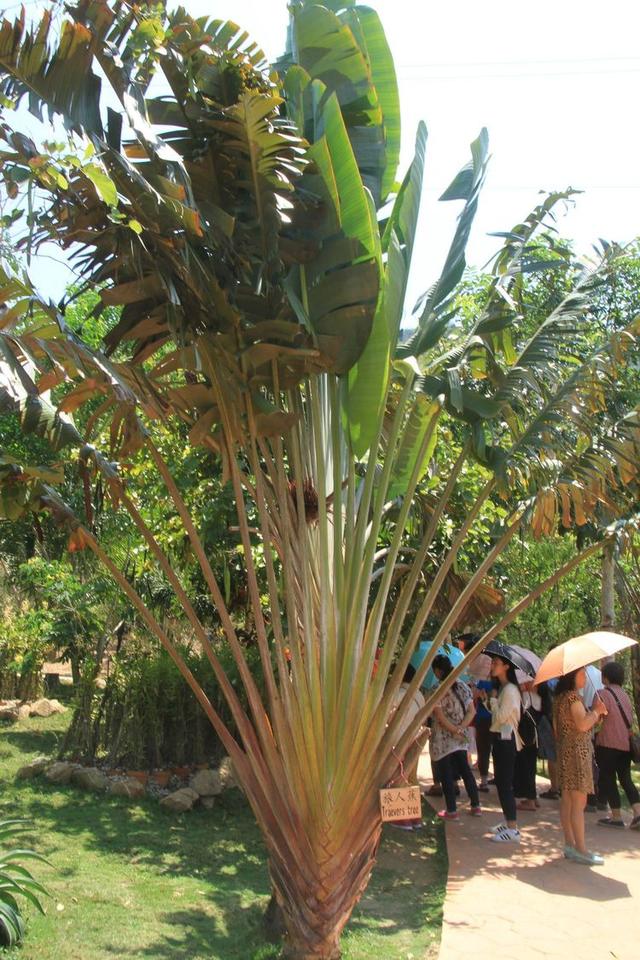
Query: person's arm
x: 585, y: 720
x: 444, y: 722
x: 466, y: 720
x: 468, y: 717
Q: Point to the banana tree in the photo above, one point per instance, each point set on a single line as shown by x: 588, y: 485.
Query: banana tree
x: 247, y: 223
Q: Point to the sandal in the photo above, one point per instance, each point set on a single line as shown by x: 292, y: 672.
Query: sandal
x: 589, y: 859
x: 610, y: 822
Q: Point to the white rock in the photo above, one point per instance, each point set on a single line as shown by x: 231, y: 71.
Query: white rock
x: 57, y: 707
x: 227, y: 773
x: 88, y: 778
x: 60, y: 772
x: 207, y: 783
x: 42, y: 708
x: 33, y: 769
x: 130, y: 787
x: 180, y: 800
x: 9, y: 714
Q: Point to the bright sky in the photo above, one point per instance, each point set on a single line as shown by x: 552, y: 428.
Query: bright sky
x: 556, y: 83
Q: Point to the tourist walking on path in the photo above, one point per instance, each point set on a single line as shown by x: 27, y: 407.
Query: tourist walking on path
x: 505, y: 742
x: 573, y: 725
x: 612, y: 748
x: 450, y: 741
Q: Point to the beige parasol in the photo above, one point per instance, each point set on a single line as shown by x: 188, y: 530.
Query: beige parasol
x: 579, y: 651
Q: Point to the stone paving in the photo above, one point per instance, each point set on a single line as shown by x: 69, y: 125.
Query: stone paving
x: 526, y: 902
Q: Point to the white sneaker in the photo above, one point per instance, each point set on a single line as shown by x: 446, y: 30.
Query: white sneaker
x: 498, y: 826
x: 506, y: 835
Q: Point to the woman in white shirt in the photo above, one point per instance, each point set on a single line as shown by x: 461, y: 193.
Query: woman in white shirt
x: 505, y: 741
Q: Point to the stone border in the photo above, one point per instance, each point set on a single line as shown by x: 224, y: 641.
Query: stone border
x: 204, y: 785
x: 14, y: 710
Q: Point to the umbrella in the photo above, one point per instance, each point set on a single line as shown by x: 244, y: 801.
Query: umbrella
x: 579, y: 651
x: 480, y: 667
x: 512, y: 655
x: 431, y: 681
x: 593, y: 683
x: 531, y: 658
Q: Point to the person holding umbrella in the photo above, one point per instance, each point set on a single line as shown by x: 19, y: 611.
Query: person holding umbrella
x: 573, y: 725
x: 505, y: 741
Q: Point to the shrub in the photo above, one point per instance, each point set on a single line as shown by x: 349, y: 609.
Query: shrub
x: 22, y: 652
x: 16, y: 881
x: 147, y: 716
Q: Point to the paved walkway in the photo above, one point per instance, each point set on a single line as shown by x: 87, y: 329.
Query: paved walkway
x: 527, y: 902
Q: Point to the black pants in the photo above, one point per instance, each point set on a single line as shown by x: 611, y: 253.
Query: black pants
x: 450, y: 768
x: 615, y: 764
x: 483, y: 745
x: 504, y: 759
x: 524, y: 774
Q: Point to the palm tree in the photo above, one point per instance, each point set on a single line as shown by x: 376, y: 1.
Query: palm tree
x: 247, y: 223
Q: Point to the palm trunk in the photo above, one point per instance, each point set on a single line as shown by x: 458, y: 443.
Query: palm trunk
x: 316, y: 909
x: 629, y: 601
x: 607, y: 594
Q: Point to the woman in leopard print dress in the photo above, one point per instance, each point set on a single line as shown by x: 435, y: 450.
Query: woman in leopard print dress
x: 573, y: 725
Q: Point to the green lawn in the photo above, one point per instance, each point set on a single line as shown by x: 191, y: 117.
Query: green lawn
x: 130, y: 880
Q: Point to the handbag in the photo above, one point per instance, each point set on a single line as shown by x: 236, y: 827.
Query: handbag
x: 634, y: 738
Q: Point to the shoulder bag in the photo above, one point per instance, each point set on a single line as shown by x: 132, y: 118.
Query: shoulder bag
x: 634, y: 738
x: 528, y: 728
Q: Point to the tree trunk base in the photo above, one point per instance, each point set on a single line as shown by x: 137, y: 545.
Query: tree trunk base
x: 273, y: 921
x: 295, y: 952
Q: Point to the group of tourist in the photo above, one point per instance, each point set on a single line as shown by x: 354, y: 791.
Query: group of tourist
x: 514, y: 722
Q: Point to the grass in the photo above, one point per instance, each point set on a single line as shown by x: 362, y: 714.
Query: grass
x: 131, y: 880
